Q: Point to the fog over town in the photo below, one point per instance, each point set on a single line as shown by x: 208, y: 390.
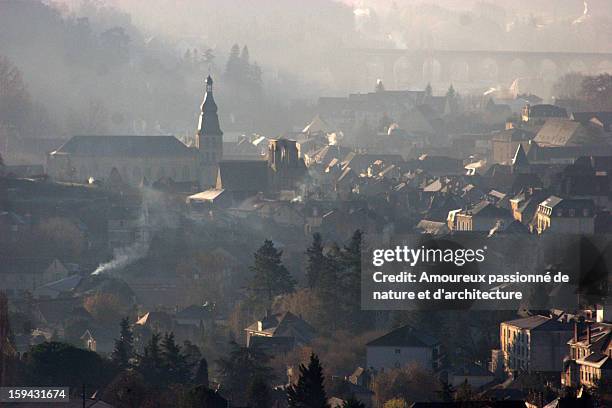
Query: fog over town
x: 191, y: 193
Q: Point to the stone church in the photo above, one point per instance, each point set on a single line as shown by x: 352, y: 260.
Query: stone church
x: 149, y: 159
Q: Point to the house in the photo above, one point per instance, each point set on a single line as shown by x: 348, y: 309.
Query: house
x: 403, y: 346
x: 601, y: 119
x: 569, y: 216
x: 505, y: 143
x: 195, y: 315
x: 590, y: 356
x: 56, y: 288
x: 525, y: 204
x: 99, y: 339
x: 482, y: 217
x: 280, y: 331
x: 564, y: 140
x: 473, y: 374
x: 534, y: 344
x: 535, y: 113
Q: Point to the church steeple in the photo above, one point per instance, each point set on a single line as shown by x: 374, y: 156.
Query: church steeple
x: 209, y: 137
x: 209, y: 121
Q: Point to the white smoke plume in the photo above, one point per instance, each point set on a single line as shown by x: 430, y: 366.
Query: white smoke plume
x: 124, y: 257
x: 147, y: 224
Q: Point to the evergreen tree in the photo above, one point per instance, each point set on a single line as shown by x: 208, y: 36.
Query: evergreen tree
x: 309, y: 391
x: 255, y: 77
x: 124, y: 346
x: 176, y: 369
x: 428, y: 91
x: 316, y: 260
x: 271, y: 278
x: 209, y: 57
x: 240, y: 366
x: 451, y: 94
x: 201, y: 375
x: 232, y: 67
x: 150, y: 363
x: 258, y: 394
x: 245, y: 56
x: 350, y: 281
x: 352, y: 402
x: 327, y: 290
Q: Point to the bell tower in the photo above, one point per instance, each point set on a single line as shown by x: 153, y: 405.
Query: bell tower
x: 209, y: 140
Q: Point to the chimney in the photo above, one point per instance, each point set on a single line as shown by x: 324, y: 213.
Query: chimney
x: 588, y: 333
x: 575, y: 332
x: 509, y: 125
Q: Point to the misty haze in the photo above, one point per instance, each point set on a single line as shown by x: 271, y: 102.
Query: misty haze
x: 191, y: 193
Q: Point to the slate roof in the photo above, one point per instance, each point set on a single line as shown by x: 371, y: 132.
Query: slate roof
x: 585, y: 117
x: 195, y: 312
x: 564, y: 132
x: 243, y: 175
x: 513, y: 135
x: 574, y: 203
x: 471, y: 369
x: 285, y: 325
x: 130, y: 146
x: 540, y: 323
x: 547, y: 111
x: 276, y: 343
x: 405, y: 336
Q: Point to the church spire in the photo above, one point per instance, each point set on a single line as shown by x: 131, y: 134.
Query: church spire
x: 209, y: 121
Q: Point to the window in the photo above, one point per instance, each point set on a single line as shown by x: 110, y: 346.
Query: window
x: 398, y: 351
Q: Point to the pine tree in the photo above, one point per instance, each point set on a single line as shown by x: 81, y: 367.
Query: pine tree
x: 176, y: 369
x: 309, y: 391
x: 258, y: 394
x: 209, y: 57
x: 245, y: 56
x: 352, y: 402
x: 232, y: 67
x: 350, y: 281
x: 271, y: 278
x: 428, y: 91
x: 316, y: 260
x: 327, y: 289
x: 150, y: 364
x: 124, y: 345
x: 240, y: 366
x: 451, y: 92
